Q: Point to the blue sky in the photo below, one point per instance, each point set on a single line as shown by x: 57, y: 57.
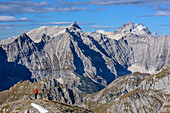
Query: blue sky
x: 18, y: 16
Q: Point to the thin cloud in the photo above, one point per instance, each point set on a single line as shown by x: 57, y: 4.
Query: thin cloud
x: 8, y: 28
x: 26, y: 6
x: 13, y: 19
x: 23, y: 7
x: 5, y: 28
x: 168, y: 25
x: 10, y: 25
x: 160, y: 6
x: 5, y: 25
x: 67, y: 9
x: 113, y: 2
x: 78, y: 3
x: 54, y: 23
x: 158, y: 13
x: 163, y: 13
x: 59, y: 23
x: 98, y: 9
x: 118, y: 2
x: 101, y: 2
x: 101, y: 27
x: 150, y: 3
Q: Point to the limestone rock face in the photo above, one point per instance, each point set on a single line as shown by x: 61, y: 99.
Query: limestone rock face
x: 48, y: 90
x: 117, y: 88
x: 87, y: 61
x: 151, y: 95
x: 135, y: 92
x: 11, y: 72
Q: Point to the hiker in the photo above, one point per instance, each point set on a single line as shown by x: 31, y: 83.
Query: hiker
x: 36, y: 92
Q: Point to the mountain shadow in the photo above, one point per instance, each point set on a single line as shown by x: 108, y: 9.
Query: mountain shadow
x: 11, y: 72
x: 96, y: 59
x: 120, y: 69
x: 77, y: 61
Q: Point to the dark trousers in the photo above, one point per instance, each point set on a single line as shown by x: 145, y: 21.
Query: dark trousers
x: 36, y: 95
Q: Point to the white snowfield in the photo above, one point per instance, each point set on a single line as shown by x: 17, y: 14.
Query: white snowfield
x: 100, y: 31
x: 40, y: 108
x: 60, y: 80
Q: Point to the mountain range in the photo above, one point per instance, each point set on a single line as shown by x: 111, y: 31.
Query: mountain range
x: 96, y: 69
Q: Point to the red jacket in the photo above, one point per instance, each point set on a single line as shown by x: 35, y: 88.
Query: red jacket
x: 36, y: 91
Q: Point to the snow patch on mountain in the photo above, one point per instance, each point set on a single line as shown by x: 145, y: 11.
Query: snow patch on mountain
x: 109, y: 35
x: 60, y: 80
x: 141, y: 69
x: 36, y: 34
x: 140, y: 27
x: 100, y: 31
x: 40, y: 108
x: 154, y: 34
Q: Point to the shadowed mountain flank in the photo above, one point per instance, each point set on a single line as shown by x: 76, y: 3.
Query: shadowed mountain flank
x: 77, y: 61
x: 10, y: 72
x: 120, y: 69
x: 96, y: 59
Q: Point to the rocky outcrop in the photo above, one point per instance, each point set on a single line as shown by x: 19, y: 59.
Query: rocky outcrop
x: 148, y: 97
x: 134, y: 93
x: 116, y: 89
x: 48, y: 90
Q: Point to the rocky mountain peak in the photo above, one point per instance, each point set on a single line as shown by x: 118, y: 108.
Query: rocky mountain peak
x: 100, y: 31
x: 132, y: 29
x: 75, y: 24
x: 126, y: 28
x: 74, y: 27
x: 139, y: 26
x: 129, y: 24
x: 23, y: 35
x: 53, y: 31
x: 140, y: 29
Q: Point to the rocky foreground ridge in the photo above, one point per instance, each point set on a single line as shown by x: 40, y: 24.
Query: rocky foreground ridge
x: 24, y: 106
x: 53, y: 96
x: 136, y: 92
